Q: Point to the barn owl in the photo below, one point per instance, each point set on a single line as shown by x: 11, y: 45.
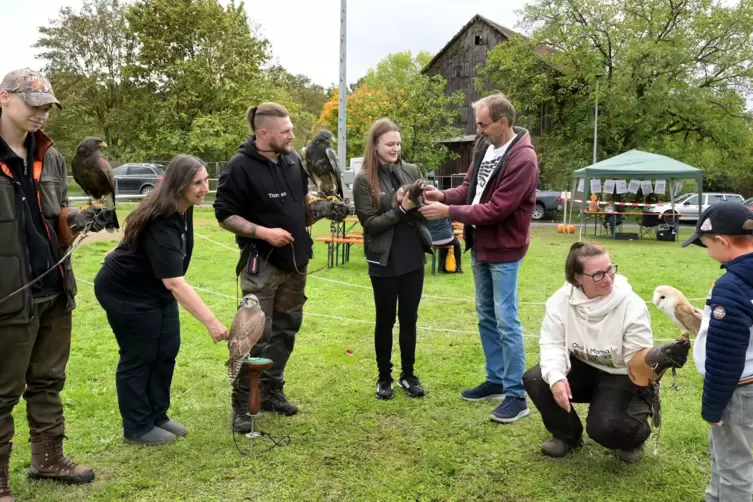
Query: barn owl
x: 245, y: 332
x: 674, y: 304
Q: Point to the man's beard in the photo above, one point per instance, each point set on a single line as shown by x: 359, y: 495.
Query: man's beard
x: 281, y: 148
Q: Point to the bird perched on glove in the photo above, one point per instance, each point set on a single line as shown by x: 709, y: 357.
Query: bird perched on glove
x: 93, y: 173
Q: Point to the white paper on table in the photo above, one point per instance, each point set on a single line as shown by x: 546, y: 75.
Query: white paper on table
x: 608, y: 187
x: 661, y: 186
x: 634, y: 186
x: 580, y: 185
x: 595, y: 186
x: 646, y: 187
x: 621, y: 186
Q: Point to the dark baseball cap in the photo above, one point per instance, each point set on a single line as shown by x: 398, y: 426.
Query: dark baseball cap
x: 32, y: 86
x: 723, y: 218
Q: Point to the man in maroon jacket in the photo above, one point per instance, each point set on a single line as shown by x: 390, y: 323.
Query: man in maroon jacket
x: 496, y: 202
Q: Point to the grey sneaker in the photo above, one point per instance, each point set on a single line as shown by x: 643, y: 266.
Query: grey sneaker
x: 558, y: 448
x: 156, y: 436
x: 174, y: 427
x: 630, y: 456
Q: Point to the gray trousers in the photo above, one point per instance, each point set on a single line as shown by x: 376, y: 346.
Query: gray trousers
x: 281, y: 297
x: 731, y: 456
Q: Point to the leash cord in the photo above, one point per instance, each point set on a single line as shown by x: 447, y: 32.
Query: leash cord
x: 75, y: 244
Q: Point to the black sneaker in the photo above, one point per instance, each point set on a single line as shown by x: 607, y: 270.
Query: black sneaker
x: 411, y: 385
x: 274, y: 399
x: 384, y: 388
x: 242, y: 422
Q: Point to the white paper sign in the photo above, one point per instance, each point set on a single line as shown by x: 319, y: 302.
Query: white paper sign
x: 646, y: 187
x: 608, y: 187
x: 580, y: 185
x: 621, y: 186
x: 634, y: 186
x: 595, y: 186
x: 661, y: 186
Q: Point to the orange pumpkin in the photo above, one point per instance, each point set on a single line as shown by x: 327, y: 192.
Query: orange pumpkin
x: 561, y: 228
x: 571, y: 229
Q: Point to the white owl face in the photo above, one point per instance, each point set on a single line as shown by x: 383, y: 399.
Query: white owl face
x: 666, y: 298
x: 249, y: 301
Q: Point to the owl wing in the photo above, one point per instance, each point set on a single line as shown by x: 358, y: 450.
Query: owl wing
x: 690, y: 317
x: 336, y: 177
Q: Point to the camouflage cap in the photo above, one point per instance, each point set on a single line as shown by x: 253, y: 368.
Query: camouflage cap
x: 32, y: 86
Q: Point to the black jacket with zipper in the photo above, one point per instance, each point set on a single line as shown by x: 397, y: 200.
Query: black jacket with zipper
x: 15, y: 265
x: 379, y: 223
x: 270, y: 195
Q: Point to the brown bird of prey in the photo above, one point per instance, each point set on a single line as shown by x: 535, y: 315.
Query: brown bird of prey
x: 322, y: 166
x: 245, y: 331
x: 93, y: 173
x: 413, y: 191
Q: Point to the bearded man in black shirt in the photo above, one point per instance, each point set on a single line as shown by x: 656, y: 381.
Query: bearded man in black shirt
x: 262, y: 197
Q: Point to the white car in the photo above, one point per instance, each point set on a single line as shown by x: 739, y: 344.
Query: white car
x: 687, y: 204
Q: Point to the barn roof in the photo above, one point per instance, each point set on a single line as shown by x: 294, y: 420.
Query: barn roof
x: 502, y: 30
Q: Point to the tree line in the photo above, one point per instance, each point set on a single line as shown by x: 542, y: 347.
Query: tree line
x: 159, y: 77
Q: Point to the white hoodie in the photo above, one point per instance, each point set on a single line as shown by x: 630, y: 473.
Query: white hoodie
x: 604, y: 332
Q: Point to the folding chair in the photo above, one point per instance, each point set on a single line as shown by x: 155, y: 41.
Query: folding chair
x: 648, y: 224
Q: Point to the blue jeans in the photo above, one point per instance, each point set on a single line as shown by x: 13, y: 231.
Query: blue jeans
x: 498, y: 323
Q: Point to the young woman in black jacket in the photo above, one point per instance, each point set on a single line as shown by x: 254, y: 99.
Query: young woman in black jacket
x: 396, y: 239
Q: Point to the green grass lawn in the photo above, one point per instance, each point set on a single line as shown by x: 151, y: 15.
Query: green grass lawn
x: 344, y: 444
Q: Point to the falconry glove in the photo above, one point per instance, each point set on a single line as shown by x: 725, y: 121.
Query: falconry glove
x: 669, y: 355
x: 336, y: 211
x: 92, y: 219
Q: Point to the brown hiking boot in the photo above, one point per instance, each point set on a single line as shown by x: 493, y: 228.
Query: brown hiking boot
x: 5, y: 495
x: 48, y: 462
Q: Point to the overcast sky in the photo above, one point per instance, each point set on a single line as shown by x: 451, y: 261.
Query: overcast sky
x: 305, y: 34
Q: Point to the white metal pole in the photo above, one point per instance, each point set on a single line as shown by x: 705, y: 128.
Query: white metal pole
x: 596, y: 117
x: 341, y: 111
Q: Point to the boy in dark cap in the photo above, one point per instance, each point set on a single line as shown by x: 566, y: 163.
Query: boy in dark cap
x: 724, y: 350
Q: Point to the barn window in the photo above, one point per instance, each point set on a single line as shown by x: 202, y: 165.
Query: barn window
x: 477, y: 40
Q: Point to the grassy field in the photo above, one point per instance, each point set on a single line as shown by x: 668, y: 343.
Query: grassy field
x: 344, y: 444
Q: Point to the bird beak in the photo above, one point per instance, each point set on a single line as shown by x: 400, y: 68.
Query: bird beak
x: 102, y: 144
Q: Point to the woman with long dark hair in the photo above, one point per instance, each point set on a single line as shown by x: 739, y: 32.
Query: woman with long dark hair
x: 140, y: 286
x: 396, y: 239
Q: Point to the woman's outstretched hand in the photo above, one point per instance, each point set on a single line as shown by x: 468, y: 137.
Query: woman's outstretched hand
x: 217, y: 331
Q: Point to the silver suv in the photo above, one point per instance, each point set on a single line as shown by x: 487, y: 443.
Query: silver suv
x: 687, y: 204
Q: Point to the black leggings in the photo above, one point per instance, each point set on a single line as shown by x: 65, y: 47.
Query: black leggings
x: 400, y: 295
x: 618, y: 414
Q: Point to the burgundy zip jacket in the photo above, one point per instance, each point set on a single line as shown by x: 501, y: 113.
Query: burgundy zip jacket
x: 502, y: 218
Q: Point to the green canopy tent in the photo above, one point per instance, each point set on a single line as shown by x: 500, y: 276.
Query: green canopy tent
x: 638, y: 165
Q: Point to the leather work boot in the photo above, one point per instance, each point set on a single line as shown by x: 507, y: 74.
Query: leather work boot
x: 5, y: 495
x: 274, y: 399
x: 48, y: 462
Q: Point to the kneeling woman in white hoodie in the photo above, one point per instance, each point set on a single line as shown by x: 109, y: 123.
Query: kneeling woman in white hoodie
x: 593, y: 327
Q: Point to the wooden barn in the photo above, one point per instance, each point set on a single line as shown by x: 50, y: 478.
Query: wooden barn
x: 458, y: 62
